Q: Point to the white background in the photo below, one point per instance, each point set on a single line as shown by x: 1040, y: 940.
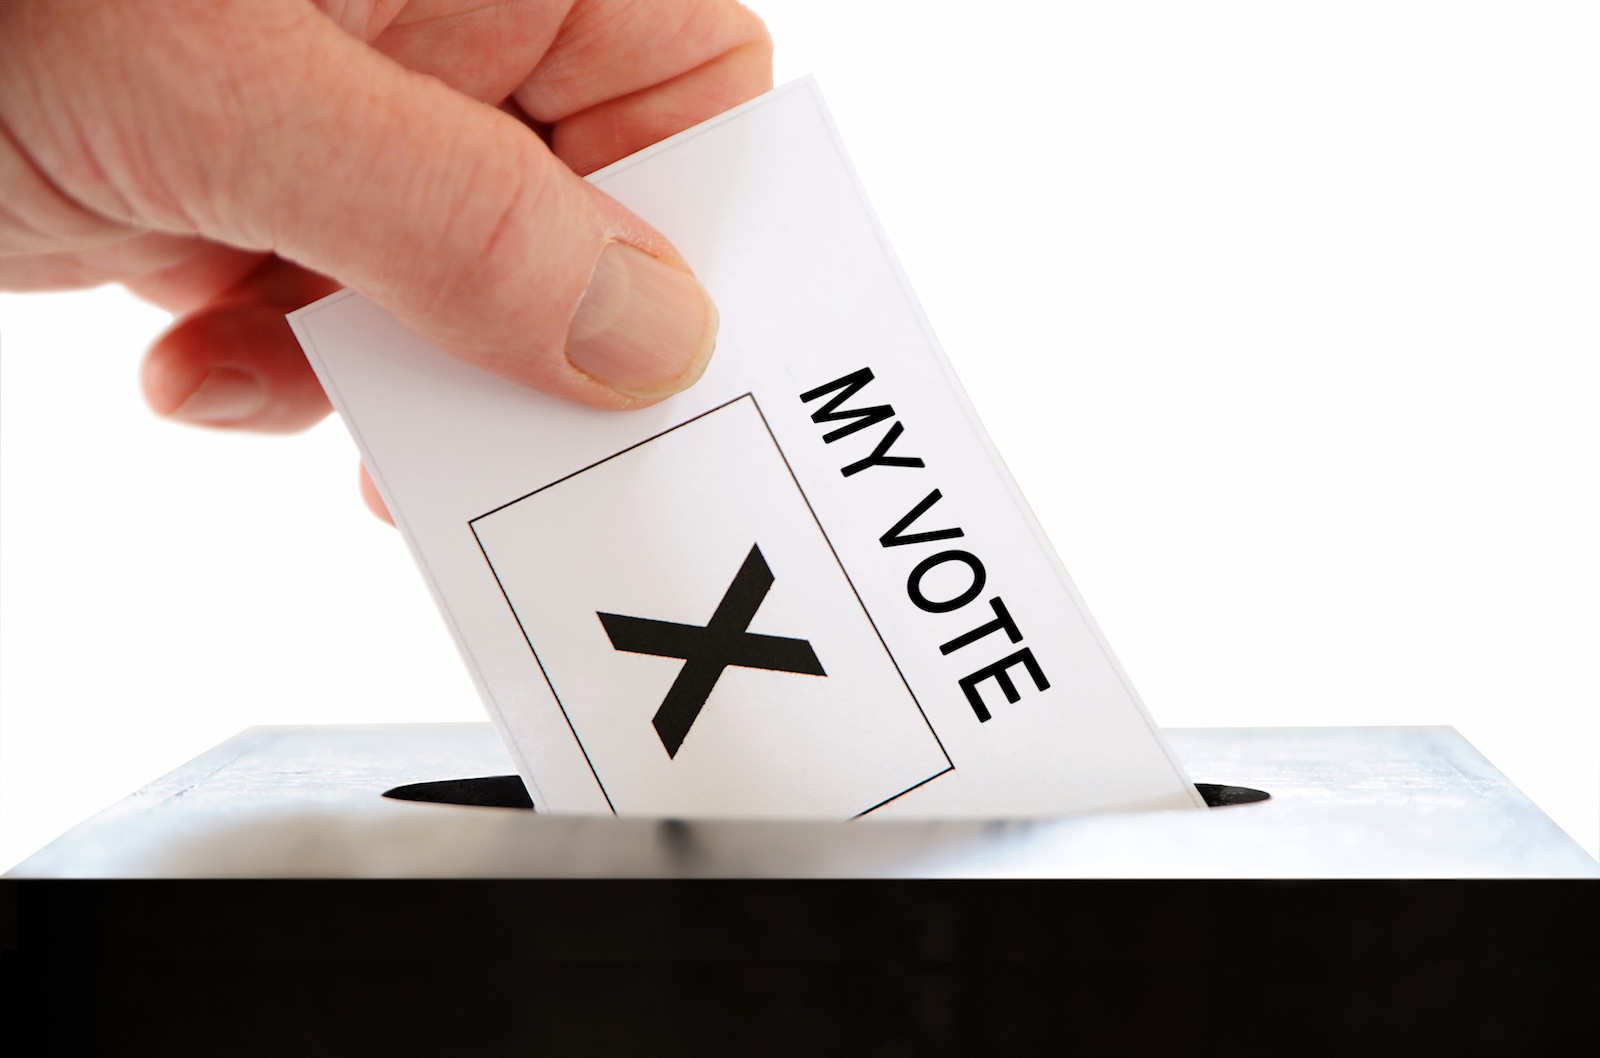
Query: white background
x: 1284, y: 316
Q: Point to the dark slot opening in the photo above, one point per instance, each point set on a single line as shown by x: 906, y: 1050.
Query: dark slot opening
x: 494, y: 791
x: 508, y: 791
x: 1223, y: 796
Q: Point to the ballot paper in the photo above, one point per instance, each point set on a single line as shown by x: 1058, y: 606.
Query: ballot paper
x: 806, y: 587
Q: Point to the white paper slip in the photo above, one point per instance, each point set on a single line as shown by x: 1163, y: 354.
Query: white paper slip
x: 805, y: 587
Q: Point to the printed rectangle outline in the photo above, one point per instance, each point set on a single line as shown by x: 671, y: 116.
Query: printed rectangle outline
x: 750, y: 396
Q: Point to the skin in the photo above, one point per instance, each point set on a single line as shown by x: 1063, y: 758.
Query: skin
x: 234, y: 161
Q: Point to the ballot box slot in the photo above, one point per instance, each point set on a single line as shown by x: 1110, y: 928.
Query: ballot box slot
x: 492, y: 791
x: 508, y: 791
x: 1217, y: 796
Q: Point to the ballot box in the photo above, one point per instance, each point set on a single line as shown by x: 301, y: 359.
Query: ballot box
x: 421, y: 801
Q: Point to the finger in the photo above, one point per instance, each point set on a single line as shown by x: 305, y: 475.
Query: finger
x: 176, y: 272
x: 193, y: 278
x: 454, y: 216
x: 611, y: 91
x: 233, y: 363
x: 369, y: 496
x: 614, y: 129
x: 446, y: 39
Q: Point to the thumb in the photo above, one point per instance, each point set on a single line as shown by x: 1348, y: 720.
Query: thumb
x: 458, y: 219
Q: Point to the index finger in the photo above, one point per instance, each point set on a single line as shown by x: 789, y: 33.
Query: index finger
x: 623, y: 74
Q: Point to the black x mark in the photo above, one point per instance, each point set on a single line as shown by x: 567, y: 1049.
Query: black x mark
x: 707, y: 651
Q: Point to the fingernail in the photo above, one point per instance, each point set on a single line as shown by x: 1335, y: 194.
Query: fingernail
x: 224, y: 395
x: 644, y: 328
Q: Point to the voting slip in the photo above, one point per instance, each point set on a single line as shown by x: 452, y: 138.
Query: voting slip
x: 806, y: 587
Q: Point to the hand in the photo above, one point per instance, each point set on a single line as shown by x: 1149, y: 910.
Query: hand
x: 233, y: 161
